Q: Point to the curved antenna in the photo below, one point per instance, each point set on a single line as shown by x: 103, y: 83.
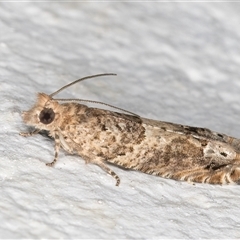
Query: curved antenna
x: 79, y: 80
x: 91, y: 101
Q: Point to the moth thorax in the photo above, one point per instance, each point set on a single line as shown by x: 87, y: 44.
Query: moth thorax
x: 46, y: 116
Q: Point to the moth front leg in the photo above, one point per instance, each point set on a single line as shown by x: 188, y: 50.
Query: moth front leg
x: 100, y: 162
x: 56, y: 149
x: 29, y: 134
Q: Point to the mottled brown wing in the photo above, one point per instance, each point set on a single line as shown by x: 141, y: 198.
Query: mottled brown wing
x: 198, y: 132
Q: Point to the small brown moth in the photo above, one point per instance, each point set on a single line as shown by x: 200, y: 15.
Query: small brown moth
x: 160, y: 148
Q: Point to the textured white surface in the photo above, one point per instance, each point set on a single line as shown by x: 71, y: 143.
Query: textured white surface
x: 176, y: 62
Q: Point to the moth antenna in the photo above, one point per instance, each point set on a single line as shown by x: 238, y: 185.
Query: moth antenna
x: 81, y: 79
x: 91, y: 101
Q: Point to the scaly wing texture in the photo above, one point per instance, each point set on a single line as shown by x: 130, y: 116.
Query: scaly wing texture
x: 154, y: 147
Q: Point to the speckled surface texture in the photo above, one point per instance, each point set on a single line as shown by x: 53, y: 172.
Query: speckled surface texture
x: 175, y: 62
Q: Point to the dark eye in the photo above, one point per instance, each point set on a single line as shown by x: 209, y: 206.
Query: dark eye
x: 46, y: 116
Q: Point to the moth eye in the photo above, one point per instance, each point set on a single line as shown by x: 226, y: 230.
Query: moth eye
x: 46, y: 116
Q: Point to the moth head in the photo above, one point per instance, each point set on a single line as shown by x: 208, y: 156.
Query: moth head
x: 44, y: 114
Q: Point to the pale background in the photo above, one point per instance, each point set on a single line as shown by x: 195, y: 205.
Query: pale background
x: 175, y: 62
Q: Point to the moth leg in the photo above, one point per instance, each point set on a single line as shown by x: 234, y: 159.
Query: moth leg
x: 102, y: 165
x: 64, y: 144
x: 56, y: 149
x: 29, y: 134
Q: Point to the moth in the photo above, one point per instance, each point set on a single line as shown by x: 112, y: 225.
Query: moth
x: 127, y: 140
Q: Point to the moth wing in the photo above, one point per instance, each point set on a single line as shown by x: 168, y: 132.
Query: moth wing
x: 198, y: 132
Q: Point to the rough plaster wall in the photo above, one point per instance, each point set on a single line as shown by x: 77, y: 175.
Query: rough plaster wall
x: 175, y: 62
